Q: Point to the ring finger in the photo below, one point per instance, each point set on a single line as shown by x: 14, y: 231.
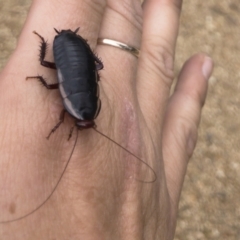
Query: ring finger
x: 122, y: 22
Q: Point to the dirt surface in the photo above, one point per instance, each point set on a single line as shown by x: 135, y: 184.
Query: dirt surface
x: 209, y: 207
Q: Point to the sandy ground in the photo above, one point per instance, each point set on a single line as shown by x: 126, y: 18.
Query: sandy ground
x: 209, y: 207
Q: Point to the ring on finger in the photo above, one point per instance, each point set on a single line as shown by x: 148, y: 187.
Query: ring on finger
x: 105, y: 41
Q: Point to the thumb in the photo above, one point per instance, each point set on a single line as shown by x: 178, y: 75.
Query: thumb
x: 182, y: 120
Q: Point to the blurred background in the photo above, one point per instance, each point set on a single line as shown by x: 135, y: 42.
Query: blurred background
x: 209, y: 207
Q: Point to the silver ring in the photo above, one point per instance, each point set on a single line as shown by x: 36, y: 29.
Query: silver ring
x: 123, y: 46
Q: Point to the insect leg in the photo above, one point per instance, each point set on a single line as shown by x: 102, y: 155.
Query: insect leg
x: 44, y: 83
x: 98, y: 109
x: 43, y: 50
x: 99, y: 63
x: 61, y: 119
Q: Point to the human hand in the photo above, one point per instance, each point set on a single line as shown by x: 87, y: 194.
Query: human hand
x: 100, y: 196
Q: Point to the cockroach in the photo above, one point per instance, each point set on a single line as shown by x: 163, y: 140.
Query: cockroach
x: 77, y: 69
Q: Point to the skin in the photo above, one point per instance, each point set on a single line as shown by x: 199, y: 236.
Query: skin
x: 103, y: 193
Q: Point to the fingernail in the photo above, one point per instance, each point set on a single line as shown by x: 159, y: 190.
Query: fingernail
x: 207, y: 67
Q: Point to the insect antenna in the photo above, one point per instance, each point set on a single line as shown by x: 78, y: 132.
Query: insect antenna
x: 142, y: 161
x: 50, y: 195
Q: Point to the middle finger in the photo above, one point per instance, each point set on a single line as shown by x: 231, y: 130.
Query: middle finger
x: 155, y: 75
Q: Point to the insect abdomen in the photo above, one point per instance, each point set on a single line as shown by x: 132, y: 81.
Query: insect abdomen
x: 77, y: 75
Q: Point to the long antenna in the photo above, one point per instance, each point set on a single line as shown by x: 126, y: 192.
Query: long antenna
x: 54, y: 189
x: 142, y: 161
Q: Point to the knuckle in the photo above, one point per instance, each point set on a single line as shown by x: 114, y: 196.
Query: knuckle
x: 129, y: 10
x: 159, y: 59
x: 195, y: 97
x: 96, y: 5
x: 199, y: 99
x: 186, y: 134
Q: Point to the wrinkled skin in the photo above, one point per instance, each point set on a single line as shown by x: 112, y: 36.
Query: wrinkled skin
x: 103, y: 193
